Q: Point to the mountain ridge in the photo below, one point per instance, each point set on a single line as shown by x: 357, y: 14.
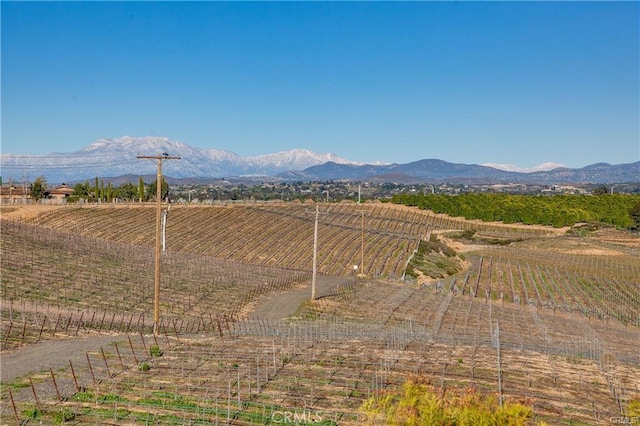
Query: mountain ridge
x: 439, y: 171
x: 113, y: 157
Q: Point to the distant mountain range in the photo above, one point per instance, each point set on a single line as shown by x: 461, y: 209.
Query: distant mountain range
x: 110, y: 158
x: 441, y: 171
x: 116, y: 157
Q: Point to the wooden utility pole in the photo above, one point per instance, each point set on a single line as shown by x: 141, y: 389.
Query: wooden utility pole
x: 315, y: 256
x: 156, y: 294
x: 362, y: 243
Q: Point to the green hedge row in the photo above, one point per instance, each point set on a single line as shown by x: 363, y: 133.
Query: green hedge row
x: 620, y: 210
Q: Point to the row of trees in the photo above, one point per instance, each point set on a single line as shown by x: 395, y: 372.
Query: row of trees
x: 99, y: 192
x: 621, y: 210
x: 125, y: 192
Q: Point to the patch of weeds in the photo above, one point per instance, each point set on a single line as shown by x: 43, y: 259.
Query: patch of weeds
x: 433, y: 259
x: 575, y: 359
x: 501, y: 241
x: 154, y: 351
x: 305, y: 311
x: 146, y: 418
x: 17, y: 385
x: 121, y: 413
x: 33, y: 413
x: 154, y: 402
x: 63, y: 415
x: 109, y: 398
x: 83, y: 397
x: 144, y: 366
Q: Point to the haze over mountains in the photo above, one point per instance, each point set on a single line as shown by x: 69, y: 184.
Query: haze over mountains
x: 116, y: 157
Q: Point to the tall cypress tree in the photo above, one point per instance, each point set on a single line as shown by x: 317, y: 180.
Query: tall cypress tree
x: 141, y: 189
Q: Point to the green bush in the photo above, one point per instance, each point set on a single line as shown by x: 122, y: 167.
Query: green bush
x: 419, y: 403
x: 154, y: 351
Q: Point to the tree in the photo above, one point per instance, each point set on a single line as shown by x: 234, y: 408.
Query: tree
x: 38, y: 188
x: 141, y: 189
x: 109, y: 194
x: 635, y: 216
x: 601, y: 190
x: 151, y: 190
x: 127, y: 191
x: 82, y: 190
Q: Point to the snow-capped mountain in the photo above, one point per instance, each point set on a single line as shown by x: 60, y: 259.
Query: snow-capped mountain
x: 111, y: 158
x: 295, y: 159
x: 544, y: 167
x: 118, y: 156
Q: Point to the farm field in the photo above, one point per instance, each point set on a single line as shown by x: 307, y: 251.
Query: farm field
x: 537, y: 315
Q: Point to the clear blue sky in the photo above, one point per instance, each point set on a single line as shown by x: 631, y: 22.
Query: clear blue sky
x: 467, y: 82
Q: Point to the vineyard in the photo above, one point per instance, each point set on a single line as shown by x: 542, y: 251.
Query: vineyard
x: 277, y: 235
x: 539, y: 315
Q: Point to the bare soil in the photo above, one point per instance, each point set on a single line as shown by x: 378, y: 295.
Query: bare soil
x: 54, y: 354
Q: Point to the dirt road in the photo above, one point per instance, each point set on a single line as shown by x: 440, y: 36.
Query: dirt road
x: 49, y: 354
x: 279, y: 306
x: 55, y: 354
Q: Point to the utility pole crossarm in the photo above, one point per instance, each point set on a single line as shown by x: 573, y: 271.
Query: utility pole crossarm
x: 163, y: 156
x: 156, y: 297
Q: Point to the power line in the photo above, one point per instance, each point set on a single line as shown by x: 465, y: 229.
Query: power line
x: 55, y: 156
x: 66, y: 166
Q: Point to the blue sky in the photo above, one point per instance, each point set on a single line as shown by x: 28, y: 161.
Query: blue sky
x: 467, y: 82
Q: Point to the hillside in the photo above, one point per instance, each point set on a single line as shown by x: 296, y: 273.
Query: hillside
x: 554, y: 314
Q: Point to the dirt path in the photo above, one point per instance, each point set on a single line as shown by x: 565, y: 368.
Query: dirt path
x: 49, y: 354
x: 282, y: 305
x: 55, y: 354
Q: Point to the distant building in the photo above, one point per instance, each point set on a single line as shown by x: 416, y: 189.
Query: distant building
x: 11, y: 194
x: 59, y: 193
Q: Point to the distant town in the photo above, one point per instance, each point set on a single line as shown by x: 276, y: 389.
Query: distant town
x: 229, y: 190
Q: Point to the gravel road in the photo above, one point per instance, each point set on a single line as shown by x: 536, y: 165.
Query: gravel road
x: 279, y: 306
x: 55, y: 354
x: 48, y: 354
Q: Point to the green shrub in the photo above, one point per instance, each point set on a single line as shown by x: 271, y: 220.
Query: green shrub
x: 419, y: 403
x: 144, y: 366
x: 154, y: 351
